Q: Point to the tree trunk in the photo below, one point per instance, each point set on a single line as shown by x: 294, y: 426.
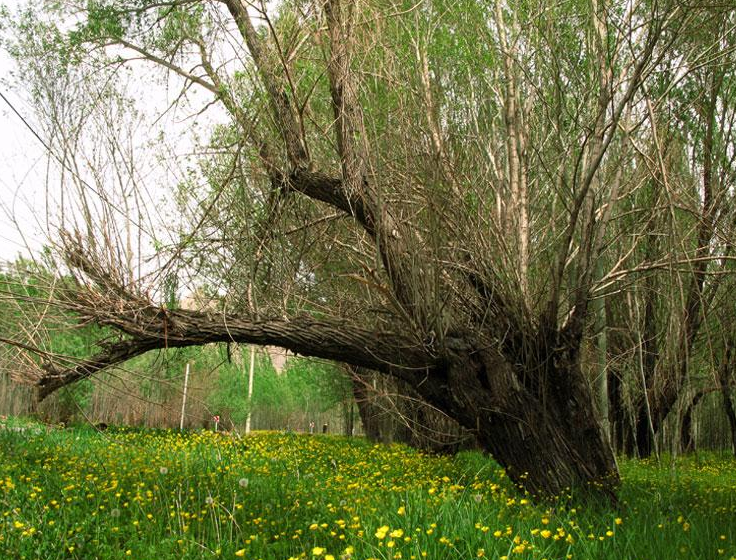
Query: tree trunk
x: 545, y: 436
x: 730, y: 414
x: 696, y: 305
x: 724, y: 374
x: 372, y: 415
x: 622, y: 439
x: 687, y: 442
x: 348, y: 414
x: 619, y: 416
x: 601, y: 367
x: 647, y: 414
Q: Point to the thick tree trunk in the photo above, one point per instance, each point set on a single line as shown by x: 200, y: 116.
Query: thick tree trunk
x: 546, y: 436
x: 731, y: 415
x: 687, y: 441
x: 726, y: 390
x: 644, y: 439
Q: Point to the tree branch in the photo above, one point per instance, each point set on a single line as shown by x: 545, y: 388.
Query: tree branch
x: 155, y: 328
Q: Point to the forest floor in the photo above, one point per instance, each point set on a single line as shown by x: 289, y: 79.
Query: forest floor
x: 153, y: 495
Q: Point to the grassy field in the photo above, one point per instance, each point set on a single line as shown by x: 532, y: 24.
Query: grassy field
x: 154, y: 495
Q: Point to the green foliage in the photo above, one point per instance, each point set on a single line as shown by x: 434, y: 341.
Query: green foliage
x: 229, y: 398
x: 305, y: 385
x: 104, y: 21
x: 316, y: 382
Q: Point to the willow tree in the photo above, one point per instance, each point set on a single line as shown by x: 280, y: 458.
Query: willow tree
x: 422, y: 189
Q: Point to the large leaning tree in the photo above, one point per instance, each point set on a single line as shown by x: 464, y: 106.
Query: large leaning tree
x: 424, y: 189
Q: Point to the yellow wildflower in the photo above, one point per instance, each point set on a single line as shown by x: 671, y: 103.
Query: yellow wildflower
x: 381, y: 531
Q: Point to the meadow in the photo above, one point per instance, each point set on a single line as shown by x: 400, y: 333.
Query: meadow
x: 152, y: 495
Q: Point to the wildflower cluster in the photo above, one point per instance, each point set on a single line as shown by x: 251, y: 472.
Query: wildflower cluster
x: 142, y: 494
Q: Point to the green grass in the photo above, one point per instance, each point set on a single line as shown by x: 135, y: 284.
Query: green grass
x: 121, y: 494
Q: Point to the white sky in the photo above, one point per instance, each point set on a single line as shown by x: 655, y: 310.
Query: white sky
x: 24, y: 161
x: 22, y: 170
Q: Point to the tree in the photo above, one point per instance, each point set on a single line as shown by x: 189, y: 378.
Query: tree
x: 423, y: 190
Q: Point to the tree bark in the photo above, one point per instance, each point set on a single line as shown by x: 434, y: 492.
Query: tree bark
x: 725, y: 371
x: 548, y: 441
x: 730, y: 414
x: 687, y: 441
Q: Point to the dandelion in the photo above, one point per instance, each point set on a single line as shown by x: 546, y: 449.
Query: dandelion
x: 318, y: 551
x: 401, y: 511
x: 114, y: 512
x: 243, y: 483
x: 163, y: 470
x: 209, y: 500
x: 381, y: 532
x: 240, y: 553
x: 478, y: 498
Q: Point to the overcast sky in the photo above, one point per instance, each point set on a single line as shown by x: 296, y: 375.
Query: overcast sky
x: 24, y: 161
x: 22, y: 169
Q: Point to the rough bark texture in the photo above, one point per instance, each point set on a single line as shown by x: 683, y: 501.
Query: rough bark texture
x: 725, y: 373
x: 730, y: 414
x: 687, y: 441
x: 548, y: 439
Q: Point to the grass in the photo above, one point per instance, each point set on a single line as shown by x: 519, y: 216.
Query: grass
x: 123, y: 493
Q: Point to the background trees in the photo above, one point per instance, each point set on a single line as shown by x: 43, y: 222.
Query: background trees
x: 458, y: 195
